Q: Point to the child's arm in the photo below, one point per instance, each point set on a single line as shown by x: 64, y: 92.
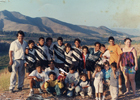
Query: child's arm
x: 114, y: 74
x: 94, y: 74
x: 27, y: 51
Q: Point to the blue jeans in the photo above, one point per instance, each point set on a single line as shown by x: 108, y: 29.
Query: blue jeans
x: 54, y: 89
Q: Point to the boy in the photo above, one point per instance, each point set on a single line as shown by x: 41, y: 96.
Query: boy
x: 52, y: 68
x: 115, y: 54
x: 77, y: 55
x: 37, y: 78
x: 30, y: 58
x: 72, y: 80
x: 106, y: 78
x: 53, y: 85
x: 42, y: 53
x: 59, y: 53
x: 114, y: 81
x: 84, y: 86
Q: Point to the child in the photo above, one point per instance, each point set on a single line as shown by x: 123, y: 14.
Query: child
x: 68, y: 57
x: 72, y: 80
x: 84, y: 56
x: 37, y: 78
x: 98, y: 84
x: 53, y: 85
x: 114, y: 81
x: 42, y: 53
x: 30, y: 57
x: 84, y: 86
x: 106, y: 74
x: 59, y: 53
x: 77, y: 55
x: 52, y: 68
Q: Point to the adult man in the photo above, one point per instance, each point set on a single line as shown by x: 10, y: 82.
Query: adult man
x: 17, y: 56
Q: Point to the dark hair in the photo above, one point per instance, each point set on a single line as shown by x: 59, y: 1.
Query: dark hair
x: 127, y: 39
x: 68, y: 45
x: 106, y: 63
x: 31, y: 41
x: 114, y: 64
x: 84, y: 47
x: 83, y: 74
x: 102, y: 45
x: 77, y: 40
x: 38, y: 64
x: 98, y: 66
x: 60, y: 38
x: 72, y: 67
x: 111, y: 38
x: 51, y: 61
x: 41, y: 38
x: 20, y: 32
x: 49, y: 38
x: 52, y: 73
x: 97, y: 43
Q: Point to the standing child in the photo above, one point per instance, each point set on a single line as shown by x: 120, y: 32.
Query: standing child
x: 68, y: 57
x: 84, y: 86
x: 114, y: 75
x: 72, y: 80
x: 30, y: 57
x: 106, y: 76
x: 98, y: 84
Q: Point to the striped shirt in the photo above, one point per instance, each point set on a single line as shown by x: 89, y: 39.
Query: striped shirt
x: 77, y: 54
x: 68, y: 58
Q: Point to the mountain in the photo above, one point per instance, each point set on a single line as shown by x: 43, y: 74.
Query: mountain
x: 14, y: 21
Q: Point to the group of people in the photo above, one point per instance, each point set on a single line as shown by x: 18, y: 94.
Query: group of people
x: 63, y: 69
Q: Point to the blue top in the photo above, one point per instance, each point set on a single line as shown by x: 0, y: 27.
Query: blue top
x: 106, y: 74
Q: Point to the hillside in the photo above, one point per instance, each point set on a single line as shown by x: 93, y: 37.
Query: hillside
x: 14, y: 21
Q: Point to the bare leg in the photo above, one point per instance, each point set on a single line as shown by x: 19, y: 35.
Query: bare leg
x: 96, y: 94
x: 126, y: 77
x: 133, y: 83
x: 89, y: 74
x: 32, y: 82
x: 99, y: 95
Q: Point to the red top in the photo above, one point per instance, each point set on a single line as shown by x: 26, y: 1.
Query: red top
x: 84, y: 60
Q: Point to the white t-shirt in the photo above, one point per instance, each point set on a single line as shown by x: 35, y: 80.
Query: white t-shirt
x: 48, y: 70
x: 42, y: 75
x: 107, y: 54
x: 98, y: 76
x: 18, y: 49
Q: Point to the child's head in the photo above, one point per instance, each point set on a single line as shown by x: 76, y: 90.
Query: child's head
x: 52, y: 76
x: 85, y: 49
x: 106, y: 65
x: 68, y: 47
x: 98, y: 68
x: 51, y: 64
x: 114, y: 66
x: 111, y: 40
x: 39, y: 67
x: 103, y: 48
x: 97, y: 46
x: 77, y: 42
x: 49, y: 41
x: 41, y: 41
x: 72, y: 69
x: 83, y: 76
x: 60, y: 41
x: 31, y: 44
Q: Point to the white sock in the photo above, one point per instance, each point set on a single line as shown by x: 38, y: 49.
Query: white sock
x: 31, y: 89
x: 96, y: 98
x: 120, y: 86
x: 103, y: 97
x: 99, y: 98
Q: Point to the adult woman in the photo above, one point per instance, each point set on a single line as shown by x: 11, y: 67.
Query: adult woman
x: 129, y: 65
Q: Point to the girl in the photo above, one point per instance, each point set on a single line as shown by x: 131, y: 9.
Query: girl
x: 98, y: 84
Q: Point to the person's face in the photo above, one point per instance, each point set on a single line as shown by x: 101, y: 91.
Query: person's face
x: 52, y: 77
x: 39, y: 69
x: 77, y: 44
x: 51, y: 65
x: 127, y: 43
x: 49, y: 42
x: 113, y: 68
x: 71, y: 71
x: 97, y: 47
x: 103, y: 49
x: 20, y: 38
x: 68, y: 49
x: 41, y: 41
x: 83, y: 78
x: 59, y: 42
x: 111, y: 42
x: 98, y: 69
x: 106, y: 67
x: 31, y: 45
x: 85, y: 51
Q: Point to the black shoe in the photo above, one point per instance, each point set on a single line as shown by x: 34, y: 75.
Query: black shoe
x: 11, y: 91
x: 20, y: 89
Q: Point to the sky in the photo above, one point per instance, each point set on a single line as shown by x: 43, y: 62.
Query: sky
x: 110, y: 13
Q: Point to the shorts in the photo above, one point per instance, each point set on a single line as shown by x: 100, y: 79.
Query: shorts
x: 38, y: 84
x: 129, y: 70
x: 98, y: 86
x: 30, y: 68
x: 90, y: 65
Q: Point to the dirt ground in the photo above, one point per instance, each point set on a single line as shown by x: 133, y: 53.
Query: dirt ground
x: 23, y: 95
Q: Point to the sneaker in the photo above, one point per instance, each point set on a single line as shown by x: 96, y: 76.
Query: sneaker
x: 11, y: 91
x: 90, y: 96
x: 83, y: 97
x: 20, y: 89
x: 31, y: 93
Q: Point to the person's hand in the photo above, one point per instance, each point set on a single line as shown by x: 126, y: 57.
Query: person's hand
x: 25, y: 64
x: 61, y: 79
x: 10, y: 62
x: 122, y: 69
x: 136, y: 68
x: 105, y: 57
x: 103, y: 82
x: 83, y: 87
x: 27, y: 51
